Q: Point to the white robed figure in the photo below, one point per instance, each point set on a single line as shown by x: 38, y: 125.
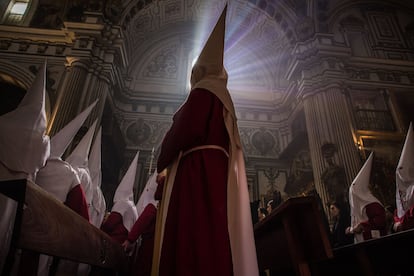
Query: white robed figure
x: 98, y: 208
x: 59, y: 178
x: 360, y: 196
x: 404, y: 179
x: 24, y: 149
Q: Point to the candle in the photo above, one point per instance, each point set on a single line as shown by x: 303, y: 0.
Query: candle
x: 152, y: 158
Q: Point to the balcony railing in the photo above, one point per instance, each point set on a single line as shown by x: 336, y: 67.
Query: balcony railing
x: 374, y: 120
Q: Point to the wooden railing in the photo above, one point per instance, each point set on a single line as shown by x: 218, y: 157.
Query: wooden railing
x: 390, y: 255
x: 45, y: 225
x: 290, y: 238
x: 293, y: 240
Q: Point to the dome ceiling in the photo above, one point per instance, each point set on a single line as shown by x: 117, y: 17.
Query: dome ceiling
x: 163, y: 39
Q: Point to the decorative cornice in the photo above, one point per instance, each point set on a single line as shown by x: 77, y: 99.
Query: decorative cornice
x: 103, y: 39
x: 35, y: 35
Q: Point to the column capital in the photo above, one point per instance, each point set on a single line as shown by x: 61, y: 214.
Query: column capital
x: 90, y: 65
x: 308, y: 88
x: 73, y: 61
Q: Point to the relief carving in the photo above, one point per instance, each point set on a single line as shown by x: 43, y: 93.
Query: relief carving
x: 163, y: 65
x: 138, y: 132
x: 260, y: 142
x: 263, y: 141
x: 305, y: 29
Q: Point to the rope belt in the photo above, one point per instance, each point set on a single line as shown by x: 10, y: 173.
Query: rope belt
x: 206, y: 147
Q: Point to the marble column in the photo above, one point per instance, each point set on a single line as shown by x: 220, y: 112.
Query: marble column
x: 100, y: 91
x: 81, y: 86
x: 70, y: 95
x: 328, y: 124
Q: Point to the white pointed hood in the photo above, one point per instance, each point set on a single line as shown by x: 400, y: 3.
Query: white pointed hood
x: 95, y: 159
x: 208, y: 72
x: 78, y: 159
x: 80, y: 155
x: 24, y: 145
x: 124, y: 196
x: 405, y: 175
x: 125, y: 187
x: 359, y: 193
x: 61, y: 140
x: 95, y: 168
x: 147, y: 195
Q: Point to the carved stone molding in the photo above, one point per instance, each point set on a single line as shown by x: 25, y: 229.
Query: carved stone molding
x: 138, y: 132
x: 260, y: 141
x: 144, y: 133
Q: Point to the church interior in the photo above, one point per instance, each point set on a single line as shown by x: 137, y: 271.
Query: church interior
x: 317, y: 85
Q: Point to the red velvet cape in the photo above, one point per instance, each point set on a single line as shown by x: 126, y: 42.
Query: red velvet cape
x: 196, y: 239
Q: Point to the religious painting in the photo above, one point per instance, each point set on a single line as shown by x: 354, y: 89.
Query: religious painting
x: 333, y: 177
x: 270, y: 180
x: 301, y: 174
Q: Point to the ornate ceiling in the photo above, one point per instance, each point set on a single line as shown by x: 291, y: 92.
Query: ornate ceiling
x: 163, y: 38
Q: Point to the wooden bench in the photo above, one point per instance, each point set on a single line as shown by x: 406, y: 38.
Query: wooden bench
x: 45, y: 225
x: 291, y: 238
x: 390, y: 255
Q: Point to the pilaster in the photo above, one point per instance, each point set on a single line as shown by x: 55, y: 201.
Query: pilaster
x: 70, y: 93
x: 331, y: 143
x: 318, y: 68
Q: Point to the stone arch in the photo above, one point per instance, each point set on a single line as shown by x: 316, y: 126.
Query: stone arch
x: 161, y: 66
x: 19, y: 79
x: 21, y: 75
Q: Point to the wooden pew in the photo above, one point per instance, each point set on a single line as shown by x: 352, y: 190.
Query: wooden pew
x: 390, y: 255
x: 45, y: 225
x: 291, y: 238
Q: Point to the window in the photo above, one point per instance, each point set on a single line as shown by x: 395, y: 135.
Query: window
x: 371, y: 111
x: 356, y: 36
x: 16, y: 12
x: 19, y: 8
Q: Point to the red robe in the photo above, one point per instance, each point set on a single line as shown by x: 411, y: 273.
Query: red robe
x: 376, y: 220
x: 144, y: 227
x: 114, y: 227
x: 196, y: 239
x: 60, y: 180
x: 406, y: 221
x: 76, y: 201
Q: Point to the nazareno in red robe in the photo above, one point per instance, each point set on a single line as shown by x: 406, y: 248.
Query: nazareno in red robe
x: 114, y: 227
x: 144, y: 227
x: 76, y: 201
x: 376, y: 220
x: 196, y: 239
x: 407, y: 221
